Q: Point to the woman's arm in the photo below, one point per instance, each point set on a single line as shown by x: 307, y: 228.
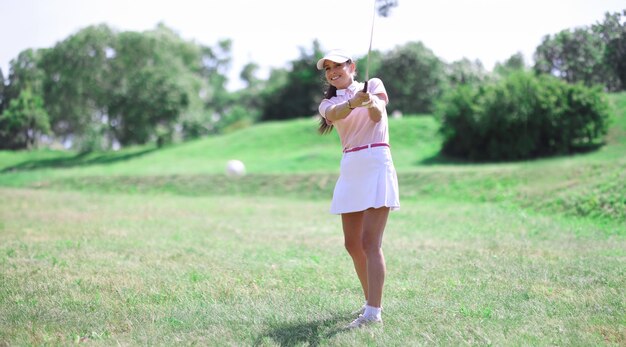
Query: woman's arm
x: 376, y: 107
x: 339, y: 111
x: 375, y: 103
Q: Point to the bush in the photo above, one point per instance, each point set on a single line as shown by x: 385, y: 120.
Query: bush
x: 522, y: 116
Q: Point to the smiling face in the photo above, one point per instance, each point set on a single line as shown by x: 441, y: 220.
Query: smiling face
x: 339, y: 75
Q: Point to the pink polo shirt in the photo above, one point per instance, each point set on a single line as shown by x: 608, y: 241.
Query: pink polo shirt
x: 357, y: 129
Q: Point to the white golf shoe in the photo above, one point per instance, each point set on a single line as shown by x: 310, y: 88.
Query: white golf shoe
x: 362, y: 321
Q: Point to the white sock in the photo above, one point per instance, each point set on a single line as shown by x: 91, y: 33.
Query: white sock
x: 371, y: 311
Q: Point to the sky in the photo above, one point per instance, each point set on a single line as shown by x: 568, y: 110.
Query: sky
x: 272, y: 33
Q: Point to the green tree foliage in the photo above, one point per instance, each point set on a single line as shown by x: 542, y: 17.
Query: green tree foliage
x: 131, y: 87
x: 163, y: 84
x: 572, y: 55
x: 248, y: 75
x: 25, y: 73
x: 592, y: 55
x: 101, y: 87
x: 613, y: 33
x: 522, y: 116
x: 301, y: 92
x: 214, y: 64
x: 245, y: 104
x: 375, y: 62
x: 78, y: 78
x: 23, y: 116
x: 513, y: 64
x: 153, y: 99
x: 465, y: 71
x: 414, y: 78
x: 237, y: 117
x: 277, y: 81
x: 23, y: 121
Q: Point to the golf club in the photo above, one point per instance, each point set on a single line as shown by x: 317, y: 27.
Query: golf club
x: 382, y: 7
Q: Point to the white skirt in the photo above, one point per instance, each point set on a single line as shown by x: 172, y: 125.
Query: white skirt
x: 367, y: 179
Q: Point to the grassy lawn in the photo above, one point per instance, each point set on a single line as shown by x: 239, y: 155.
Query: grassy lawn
x: 150, y: 246
x: 126, y: 269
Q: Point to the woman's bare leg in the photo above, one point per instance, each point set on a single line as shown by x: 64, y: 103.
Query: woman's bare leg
x: 353, y: 240
x: 373, y: 223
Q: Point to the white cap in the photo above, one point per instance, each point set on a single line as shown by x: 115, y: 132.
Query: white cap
x: 336, y: 55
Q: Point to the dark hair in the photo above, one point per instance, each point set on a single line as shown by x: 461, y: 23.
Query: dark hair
x: 325, y: 128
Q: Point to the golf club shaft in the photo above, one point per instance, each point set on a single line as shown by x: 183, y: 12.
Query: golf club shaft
x: 369, y: 50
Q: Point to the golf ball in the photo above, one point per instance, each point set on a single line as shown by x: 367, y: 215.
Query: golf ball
x: 235, y: 168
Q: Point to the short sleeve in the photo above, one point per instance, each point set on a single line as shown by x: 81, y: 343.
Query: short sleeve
x: 324, y: 106
x: 376, y: 86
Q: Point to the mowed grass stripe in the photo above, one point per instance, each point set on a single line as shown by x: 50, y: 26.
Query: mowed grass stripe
x: 596, y: 190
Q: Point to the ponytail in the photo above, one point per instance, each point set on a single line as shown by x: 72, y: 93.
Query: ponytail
x: 325, y: 128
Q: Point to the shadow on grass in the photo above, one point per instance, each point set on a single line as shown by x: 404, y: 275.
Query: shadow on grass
x: 309, y: 333
x: 443, y: 159
x: 81, y: 159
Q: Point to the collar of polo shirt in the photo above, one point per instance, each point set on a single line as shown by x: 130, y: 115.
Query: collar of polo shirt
x: 353, y: 88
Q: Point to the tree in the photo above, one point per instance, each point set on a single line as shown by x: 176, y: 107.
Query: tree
x: 513, y: 64
x: 153, y: 85
x: 78, y: 81
x: 375, y: 62
x: 575, y: 56
x: 465, y: 71
x: 23, y: 121
x: 301, y: 92
x: 243, y: 107
x: 414, y: 78
x: 103, y: 87
x: 153, y: 99
x: 216, y: 62
x: 613, y: 33
x: 24, y: 73
x: 248, y: 74
x: 23, y: 117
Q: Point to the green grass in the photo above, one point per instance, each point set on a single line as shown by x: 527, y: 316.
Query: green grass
x: 151, y: 246
x: 173, y: 270
x: 291, y: 159
x: 272, y: 147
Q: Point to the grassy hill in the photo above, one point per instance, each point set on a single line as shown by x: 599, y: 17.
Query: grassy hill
x: 272, y: 147
x: 290, y: 158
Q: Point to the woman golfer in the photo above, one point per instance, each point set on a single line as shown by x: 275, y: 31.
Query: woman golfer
x: 367, y: 188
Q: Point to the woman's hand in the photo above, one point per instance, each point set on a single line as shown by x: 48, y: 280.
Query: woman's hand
x: 371, y: 101
x: 361, y: 99
x: 374, y: 103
